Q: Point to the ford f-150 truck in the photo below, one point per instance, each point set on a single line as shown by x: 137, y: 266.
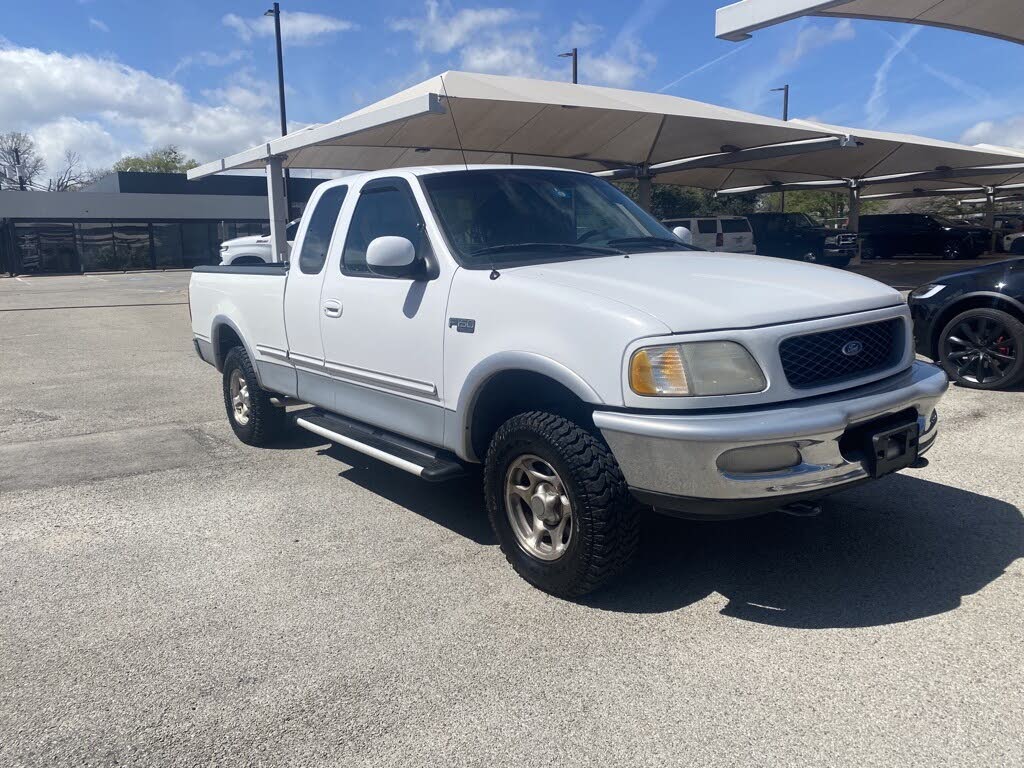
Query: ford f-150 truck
x: 540, y: 323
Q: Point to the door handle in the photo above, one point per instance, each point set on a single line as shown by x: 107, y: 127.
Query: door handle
x: 332, y: 308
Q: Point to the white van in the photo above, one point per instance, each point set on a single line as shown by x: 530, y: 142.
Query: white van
x: 718, y: 233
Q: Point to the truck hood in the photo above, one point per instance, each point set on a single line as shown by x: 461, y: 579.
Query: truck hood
x: 702, y: 291
x: 247, y: 240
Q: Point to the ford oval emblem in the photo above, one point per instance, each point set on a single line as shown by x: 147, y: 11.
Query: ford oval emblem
x: 852, y: 348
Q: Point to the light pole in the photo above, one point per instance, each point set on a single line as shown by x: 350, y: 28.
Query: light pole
x: 574, y: 54
x: 785, y: 116
x: 276, y: 13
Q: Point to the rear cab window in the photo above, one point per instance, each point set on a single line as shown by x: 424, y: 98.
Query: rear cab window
x: 313, y: 251
x: 733, y: 226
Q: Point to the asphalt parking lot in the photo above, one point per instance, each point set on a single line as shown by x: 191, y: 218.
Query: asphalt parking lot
x: 169, y: 596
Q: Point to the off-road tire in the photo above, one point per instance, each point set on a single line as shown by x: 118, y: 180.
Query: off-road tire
x: 266, y: 420
x: 605, y: 516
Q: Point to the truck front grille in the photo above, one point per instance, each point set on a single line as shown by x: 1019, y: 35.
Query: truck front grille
x: 846, y: 240
x: 819, y: 359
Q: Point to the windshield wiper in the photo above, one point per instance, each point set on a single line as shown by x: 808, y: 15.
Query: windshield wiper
x: 544, y: 247
x: 666, y: 241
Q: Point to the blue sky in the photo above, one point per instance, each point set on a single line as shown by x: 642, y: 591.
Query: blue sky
x: 108, y: 77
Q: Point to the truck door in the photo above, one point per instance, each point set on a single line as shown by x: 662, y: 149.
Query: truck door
x: 305, y: 281
x: 383, y: 336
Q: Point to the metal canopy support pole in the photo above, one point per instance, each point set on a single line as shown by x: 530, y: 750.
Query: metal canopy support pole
x: 854, y: 209
x: 990, y: 217
x: 643, y: 183
x: 853, y: 218
x: 278, y: 209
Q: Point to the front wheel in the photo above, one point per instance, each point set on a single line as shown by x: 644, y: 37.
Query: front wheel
x: 983, y: 349
x: 952, y: 251
x: 558, y: 504
x: 253, y: 418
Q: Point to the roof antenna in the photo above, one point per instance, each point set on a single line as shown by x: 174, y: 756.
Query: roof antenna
x: 455, y: 125
x: 495, y: 274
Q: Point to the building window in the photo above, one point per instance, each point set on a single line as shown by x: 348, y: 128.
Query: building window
x: 57, y: 248
x: 167, y: 252
x: 97, y: 246
x: 195, y: 244
x: 131, y: 245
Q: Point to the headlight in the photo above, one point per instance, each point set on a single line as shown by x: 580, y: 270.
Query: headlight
x: 926, y: 291
x: 694, y: 368
x: 831, y: 240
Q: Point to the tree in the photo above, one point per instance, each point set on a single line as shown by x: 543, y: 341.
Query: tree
x: 72, y: 175
x: 671, y: 201
x: 167, y: 159
x: 19, y: 149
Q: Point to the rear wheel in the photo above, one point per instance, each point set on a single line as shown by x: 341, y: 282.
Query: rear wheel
x: 253, y: 418
x: 952, y: 251
x: 558, y: 504
x: 983, y: 349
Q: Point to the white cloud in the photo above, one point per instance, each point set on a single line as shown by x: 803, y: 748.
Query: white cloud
x: 209, y: 59
x: 812, y: 37
x: 93, y: 143
x: 500, y: 41
x: 442, y: 34
x: 102, y: 109
x: 1003, y: 133
x: 875, y: 109
x: 297, y: 27
x: 702, y: 67
x: 753, y: 91
x: 622, y: 68
x: 580, y: 35
x: 97, y: 24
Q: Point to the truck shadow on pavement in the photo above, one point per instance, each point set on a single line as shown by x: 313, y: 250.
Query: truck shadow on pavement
x: 458, y: 505
x: 893, y: 551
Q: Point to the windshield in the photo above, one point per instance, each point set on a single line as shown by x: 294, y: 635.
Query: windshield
x: 947, y: 222
x: 509, y: 215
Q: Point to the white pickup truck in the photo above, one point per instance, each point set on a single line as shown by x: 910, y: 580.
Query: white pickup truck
x: 252, y: 249
x: 538, y: 322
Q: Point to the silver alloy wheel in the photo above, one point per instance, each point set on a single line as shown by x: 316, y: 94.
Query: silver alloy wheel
x: 538, y: 507
x: 240, y: 402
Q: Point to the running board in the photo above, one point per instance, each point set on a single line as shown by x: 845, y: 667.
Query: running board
x: 418, y: 459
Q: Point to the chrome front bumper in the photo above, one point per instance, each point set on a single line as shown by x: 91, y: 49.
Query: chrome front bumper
x: 672, y: 461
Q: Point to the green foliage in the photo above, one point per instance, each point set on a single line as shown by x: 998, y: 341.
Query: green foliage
x: 669, y: 201
x: 167, y: 159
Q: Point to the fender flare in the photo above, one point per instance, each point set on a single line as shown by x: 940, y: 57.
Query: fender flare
x: 501, y: 362
x: 219, y: 322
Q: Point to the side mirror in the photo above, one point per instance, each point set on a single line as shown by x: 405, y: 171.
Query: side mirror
x: 684, y: 235
x: 392, y: 256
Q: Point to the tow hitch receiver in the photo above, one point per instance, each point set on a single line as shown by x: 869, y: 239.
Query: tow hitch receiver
x: 892, y: 449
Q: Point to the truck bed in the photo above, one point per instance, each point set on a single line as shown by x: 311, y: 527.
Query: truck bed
x: 249, y: 299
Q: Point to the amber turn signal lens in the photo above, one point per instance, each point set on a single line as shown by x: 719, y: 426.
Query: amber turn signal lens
x: 658, y: 371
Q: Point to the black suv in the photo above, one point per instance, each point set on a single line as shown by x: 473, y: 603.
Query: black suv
x: 798, y: 236
x: 884, y: 236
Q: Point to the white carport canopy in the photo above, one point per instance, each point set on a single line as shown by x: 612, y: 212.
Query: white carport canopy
x: 460, y: 117
x: 478, y: 118
x: 879, y: 155
x: 996, y: 18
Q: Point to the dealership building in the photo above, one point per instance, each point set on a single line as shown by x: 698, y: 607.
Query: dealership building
x: 128, y: 221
